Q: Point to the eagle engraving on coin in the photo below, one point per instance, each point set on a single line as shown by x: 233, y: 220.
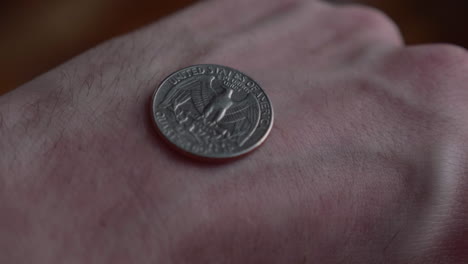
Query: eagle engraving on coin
x: 212, y: 111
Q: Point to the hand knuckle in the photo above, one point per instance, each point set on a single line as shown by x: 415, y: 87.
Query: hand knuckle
x: 438, y: 69
x: 368, y: 19
x: 445, y: 67
x: 442, y: 56
x: 436, y: 62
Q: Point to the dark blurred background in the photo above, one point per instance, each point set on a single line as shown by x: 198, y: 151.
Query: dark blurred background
x: 38, y: 35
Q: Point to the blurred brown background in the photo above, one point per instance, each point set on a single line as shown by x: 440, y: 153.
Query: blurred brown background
x: 38, y: 35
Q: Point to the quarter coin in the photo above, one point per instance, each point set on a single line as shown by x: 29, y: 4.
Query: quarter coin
x: 212, y: 112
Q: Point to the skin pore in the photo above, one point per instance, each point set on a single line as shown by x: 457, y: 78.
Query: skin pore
x: 365, y: 163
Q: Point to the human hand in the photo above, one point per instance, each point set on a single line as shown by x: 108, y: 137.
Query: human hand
x: 365, y: 163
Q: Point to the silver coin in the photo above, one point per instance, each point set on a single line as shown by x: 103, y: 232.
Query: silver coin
x: 212, y: 112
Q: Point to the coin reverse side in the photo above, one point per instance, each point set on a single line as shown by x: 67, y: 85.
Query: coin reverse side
x: 212, y: 112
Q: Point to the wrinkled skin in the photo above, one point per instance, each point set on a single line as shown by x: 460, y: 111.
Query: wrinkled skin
x: 366, y: 162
